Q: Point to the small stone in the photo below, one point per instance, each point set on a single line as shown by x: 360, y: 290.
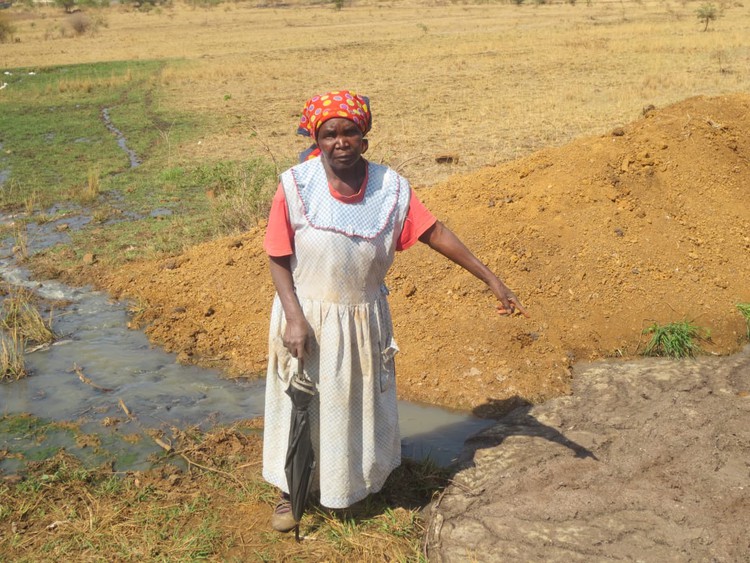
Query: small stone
x: 618, y: 132
x: 447, y: 159
x: 619, y: 232
x: 89, y: 259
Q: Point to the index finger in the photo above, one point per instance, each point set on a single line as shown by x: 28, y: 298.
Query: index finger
x: 520, y: 307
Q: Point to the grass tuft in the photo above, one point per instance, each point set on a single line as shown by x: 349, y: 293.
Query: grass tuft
x: 12, y: 362
x: 673, y: 340
x: 19, y: 315
x: 744, y: 309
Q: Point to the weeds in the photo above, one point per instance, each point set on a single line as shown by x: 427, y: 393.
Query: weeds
x: 674, y: 340
x: 20, y: 316
x: 12, y: 362
x: 92, y: 188
x: 21, y: 240
x: 241, y: 193
x: 744, y: 309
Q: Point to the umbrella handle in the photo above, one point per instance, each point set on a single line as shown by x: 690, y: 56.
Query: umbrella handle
x: 300, y: 368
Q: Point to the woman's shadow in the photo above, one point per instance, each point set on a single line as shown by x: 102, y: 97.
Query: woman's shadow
x: 416, y: 483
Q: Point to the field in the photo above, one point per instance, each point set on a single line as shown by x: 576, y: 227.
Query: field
x: 524, y: 127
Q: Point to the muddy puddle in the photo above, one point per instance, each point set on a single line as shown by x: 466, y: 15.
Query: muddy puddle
x: 99, y: 370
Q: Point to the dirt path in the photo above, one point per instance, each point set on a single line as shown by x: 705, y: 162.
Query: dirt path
x: 646, y: 461
x: 599, y: 238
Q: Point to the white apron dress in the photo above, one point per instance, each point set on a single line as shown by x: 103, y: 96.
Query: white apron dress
x: 342, y: 252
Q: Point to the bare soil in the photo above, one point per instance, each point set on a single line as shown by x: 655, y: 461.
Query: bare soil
x: 599, y: 238
x: 646, y: 461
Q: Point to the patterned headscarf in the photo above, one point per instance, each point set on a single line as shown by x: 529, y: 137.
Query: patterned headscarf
x: 339, y: 103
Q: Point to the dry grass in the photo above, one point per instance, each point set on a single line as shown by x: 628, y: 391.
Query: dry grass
x: 12, y: 362
x: 21, y: 317
x: 217, y: 509
x: 487, y: 82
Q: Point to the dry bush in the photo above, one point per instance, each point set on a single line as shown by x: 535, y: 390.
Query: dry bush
x: 80, y: 23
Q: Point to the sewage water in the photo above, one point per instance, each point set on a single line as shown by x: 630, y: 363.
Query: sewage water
x: 129, y: 373
x: 159, y: 392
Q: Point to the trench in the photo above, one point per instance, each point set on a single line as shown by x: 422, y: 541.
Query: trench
x: 127, y: 373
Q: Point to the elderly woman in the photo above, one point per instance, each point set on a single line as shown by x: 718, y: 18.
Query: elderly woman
x: 335, y: 224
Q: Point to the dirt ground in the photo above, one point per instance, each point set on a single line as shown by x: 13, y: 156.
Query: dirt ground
x: 645, y: 461
x: 599, y: 238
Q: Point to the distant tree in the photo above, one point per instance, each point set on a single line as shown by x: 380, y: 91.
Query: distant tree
x: 706, y: 14
x: 68, y: 5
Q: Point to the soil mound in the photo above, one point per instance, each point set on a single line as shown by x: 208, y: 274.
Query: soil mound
x: 599, y: 238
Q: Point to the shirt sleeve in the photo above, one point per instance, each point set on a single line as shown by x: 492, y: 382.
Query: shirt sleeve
x: 279, y: 239
x: 418, y: 220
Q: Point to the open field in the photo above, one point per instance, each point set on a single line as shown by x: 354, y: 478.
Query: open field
x: 487, y: 82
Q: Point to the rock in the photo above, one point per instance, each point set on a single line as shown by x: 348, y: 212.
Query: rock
x: 89, y: 259
x: 447, y: 159
x: 618, y: 132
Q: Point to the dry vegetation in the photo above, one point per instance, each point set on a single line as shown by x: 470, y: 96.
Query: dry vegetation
x: 484, y: 82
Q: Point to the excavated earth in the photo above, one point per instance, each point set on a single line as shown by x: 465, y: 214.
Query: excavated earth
x: 599, y: 239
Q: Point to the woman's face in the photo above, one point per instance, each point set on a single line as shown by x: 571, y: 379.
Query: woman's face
x: 341, y: 143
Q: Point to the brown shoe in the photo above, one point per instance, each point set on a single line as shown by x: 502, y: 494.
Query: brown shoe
x: 282, y: 519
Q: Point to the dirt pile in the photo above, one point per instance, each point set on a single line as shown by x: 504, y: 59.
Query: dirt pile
x: 599, y: 238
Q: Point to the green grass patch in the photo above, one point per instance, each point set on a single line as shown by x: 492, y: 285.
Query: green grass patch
x: 744, y: 309
x: 57, y: 148
x: 674, y: 340
x: 52, y: 129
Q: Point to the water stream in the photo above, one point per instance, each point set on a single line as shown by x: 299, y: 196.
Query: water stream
x: 129, y: 373
x: 158, y: 391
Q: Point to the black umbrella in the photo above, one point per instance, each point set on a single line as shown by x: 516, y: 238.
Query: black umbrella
x: 300, y: 458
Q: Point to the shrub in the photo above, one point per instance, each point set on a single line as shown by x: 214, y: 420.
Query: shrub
x: 674, y: 340
x: 67, y: 5
x: 79, y: 23
x: 242, y: 193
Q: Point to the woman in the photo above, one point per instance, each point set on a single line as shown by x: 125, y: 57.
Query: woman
x: 335, y: 223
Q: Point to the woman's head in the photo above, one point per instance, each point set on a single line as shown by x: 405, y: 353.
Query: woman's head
x: 337, y: 104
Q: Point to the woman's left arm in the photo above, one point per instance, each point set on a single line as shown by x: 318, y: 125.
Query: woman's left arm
x: 441, y: 239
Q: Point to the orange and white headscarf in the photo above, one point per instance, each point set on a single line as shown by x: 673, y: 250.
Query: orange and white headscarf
x: 339, y: 103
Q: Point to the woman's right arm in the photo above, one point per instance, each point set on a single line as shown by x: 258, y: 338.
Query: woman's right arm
x: 297, y: 328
